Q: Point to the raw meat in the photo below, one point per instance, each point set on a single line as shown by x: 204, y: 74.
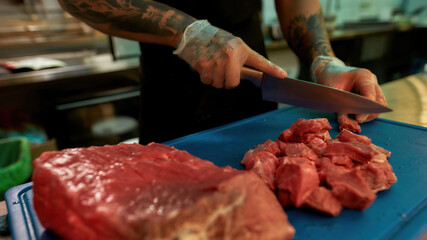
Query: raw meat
x: 298, y: 176
x: 347, y: 123
x: 264, y: 164
x: 351, y: 190
x: 347, y: 136
x: 306, y: 130
x: 327, y: 174
x: 297, y: 150
x: 378, y: 175
x: 130, y: 191
x: 263, y: 161
x: 355, y: 150
x: 322, y: 200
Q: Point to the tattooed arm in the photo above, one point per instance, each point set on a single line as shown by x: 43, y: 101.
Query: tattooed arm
x: 217, y: 57
x: 145, y: 21
x: 303, y: 27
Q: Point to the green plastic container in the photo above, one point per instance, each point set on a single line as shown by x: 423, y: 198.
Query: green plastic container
x: 15, y: 163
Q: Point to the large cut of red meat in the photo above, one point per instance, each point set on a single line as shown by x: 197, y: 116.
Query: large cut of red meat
x: 312, y: 170
x: 130, y: 191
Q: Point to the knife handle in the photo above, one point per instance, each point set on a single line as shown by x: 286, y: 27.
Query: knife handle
x: 252, y: 75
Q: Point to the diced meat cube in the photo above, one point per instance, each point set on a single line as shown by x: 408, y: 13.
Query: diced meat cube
x: 325, y: 168
x: 347, y: 123
x: 355, y: 150
x: 269, y: 146
x: 347, y: 136
x: 313, y: 127
x: 264, y: 164
x: 298, y: 177
x: 323, y: 135
x: 344, y: 161
x: 351, y: 190
x: 318, y: 146
x: 296, y: 150
x: 323, y: 200
x: 378, y: 175
x: 286, y: 136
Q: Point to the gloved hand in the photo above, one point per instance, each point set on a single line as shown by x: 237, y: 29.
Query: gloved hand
x: 332, y: 72
x: 218, y: 56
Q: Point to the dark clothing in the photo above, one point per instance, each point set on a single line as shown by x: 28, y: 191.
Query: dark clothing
x: 174, y: 102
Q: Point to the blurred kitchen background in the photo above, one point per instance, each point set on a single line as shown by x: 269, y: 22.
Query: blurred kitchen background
x: 63, y: 84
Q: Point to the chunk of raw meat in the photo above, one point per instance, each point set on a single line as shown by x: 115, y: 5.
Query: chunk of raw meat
x: 322, y: 200
x: 263, y: 161
x: 325, y: 168
x: 305, y: 130
x: 292, y: 149
x: 343, y: 160
x: 318, y: 146
x: 269, y: 146
x: 351, y: 190
x: 347, y: 136
x: 355, y: 150
x: 378, y: 175
x: 130, y: 191
x: 347, y: 123
x: 311, y: 126
x: 264, y: 164
x: 298, y: 177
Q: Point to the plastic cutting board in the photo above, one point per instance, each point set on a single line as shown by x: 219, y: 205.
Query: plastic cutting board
x: 397, y: 213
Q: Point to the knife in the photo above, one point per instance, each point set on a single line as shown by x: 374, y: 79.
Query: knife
x: 310, y: 95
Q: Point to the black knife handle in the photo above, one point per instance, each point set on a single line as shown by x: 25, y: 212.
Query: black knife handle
x: 252, y: 75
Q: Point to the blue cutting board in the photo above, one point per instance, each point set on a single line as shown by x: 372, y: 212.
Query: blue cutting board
x: 397, y: 213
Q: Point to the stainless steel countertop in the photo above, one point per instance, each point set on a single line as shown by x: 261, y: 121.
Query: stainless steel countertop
x: 408, y: 99
x: 79, y: 64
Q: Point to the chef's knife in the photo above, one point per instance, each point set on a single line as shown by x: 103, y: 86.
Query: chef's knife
x: 310, y: 95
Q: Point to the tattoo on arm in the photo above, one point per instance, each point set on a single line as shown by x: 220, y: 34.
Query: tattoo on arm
x: 141, y: 16
x: 307, y: 36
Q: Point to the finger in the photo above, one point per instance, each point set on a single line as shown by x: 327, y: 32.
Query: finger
x: 259, y: 62
x: 232, y: 76
x: 205, y: 72
x: 218, y: 77
x: 365, y: 85
x: 380, y: 99
x: 366, y: 88
x: 206, y: 78
x: 380, y: 96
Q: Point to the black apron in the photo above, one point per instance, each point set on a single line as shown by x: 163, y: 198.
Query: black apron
x: 174, y: 102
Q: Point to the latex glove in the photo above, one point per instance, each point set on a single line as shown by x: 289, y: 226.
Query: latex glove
x: 332, y: 72
x: 218, y: 56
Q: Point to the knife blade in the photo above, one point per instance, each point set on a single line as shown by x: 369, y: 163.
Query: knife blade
x: 310, y: 95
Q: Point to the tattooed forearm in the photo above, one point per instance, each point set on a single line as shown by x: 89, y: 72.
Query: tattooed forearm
x: 307, y: 36
x: 141, y: 20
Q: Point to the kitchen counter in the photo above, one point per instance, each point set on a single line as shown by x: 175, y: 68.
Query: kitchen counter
x: 408, y: 99
x: 78, y: 64
x: 406, y: 96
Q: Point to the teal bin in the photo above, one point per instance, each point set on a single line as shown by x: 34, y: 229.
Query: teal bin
x: 15, y: 163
